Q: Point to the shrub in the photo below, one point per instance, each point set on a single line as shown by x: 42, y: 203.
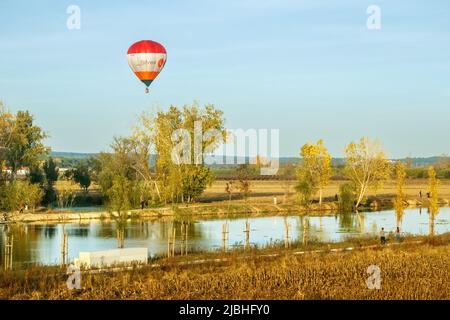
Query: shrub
x: 15, y: 195
x: 346, y: 197
x: 305, y: 191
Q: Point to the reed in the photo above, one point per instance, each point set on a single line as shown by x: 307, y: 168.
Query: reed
x: 409, y: 271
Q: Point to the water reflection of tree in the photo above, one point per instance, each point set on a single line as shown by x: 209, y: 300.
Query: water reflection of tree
x: 361, y: 222
x: 432, y: 213
x: 27, y: 239
x: 433, y: 202
x: 399, y: 210
x: 400, y: 202
x: 192, y: 231
x: 399, y: 206
x: 106, y: 229
x: 399, y: 217
x: 121, y: 221
x: 348, y: 222
x: 79, y: 231
x: 303, y: 229
x: 147, y: 229
x: 50, y: 231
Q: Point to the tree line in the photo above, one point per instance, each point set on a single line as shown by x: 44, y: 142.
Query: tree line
x: 366, y: 168
x: 130, y: 175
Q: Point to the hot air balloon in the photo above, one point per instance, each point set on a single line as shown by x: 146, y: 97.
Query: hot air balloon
x: 146, y: 58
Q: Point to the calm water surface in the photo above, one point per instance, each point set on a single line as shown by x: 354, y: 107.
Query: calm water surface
x: 40, y: 243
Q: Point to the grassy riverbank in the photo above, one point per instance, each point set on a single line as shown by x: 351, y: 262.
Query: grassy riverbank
x: 411, y: 270
x: 200, y: 209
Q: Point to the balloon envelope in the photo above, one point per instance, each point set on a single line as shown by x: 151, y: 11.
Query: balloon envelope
x: 146, y: 58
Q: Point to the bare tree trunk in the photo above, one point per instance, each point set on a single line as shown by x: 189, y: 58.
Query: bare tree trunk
x: 361, y: 195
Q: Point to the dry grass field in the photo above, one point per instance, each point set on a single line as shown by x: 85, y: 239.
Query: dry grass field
x: 262, y: 190
x: 70, y: 185
x: 408, y: 271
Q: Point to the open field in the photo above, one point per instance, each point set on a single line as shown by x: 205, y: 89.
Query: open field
x: 411, y: 270
x: 265, y: 190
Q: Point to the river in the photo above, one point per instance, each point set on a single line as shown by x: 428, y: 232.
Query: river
x: 39, y: 243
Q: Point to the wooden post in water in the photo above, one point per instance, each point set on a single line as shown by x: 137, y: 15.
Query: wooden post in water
x: 247, y: 234
x: 121, y: 237
x: 186, y: 238
x: 173, y: 241
x: 182, y: 238
x: 169, y: 236
x: 9, y: 252
x: 183, y: 243
x: 64, y: 248
x: 225, y: 232
x: 431, y: 224
x: 286, y: 233
x: 169, y: 241
x: 305, y: 231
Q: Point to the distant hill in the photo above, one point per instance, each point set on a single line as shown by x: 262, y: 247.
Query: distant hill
x: 71, y: 155
x: 416, y: 162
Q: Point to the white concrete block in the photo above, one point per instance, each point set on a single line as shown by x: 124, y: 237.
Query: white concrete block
x: 112, y: 257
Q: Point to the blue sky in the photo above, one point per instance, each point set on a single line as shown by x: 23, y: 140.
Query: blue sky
x: 310, y: 68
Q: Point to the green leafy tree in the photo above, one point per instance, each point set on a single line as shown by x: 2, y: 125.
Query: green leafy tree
x: 305, y: 190
x: 81, y: 175
x: 195, y: 180
x: 37, y: 176
x: 16, y: 195
x: 117, y: 163
x: 51, y: 171
x: 183, y: 175
x: 346, y: 197
x: 25, y: 147
x: 120, y: 195
x: 164, y: 178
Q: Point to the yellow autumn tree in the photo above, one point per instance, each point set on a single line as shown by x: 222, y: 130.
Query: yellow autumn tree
x: 315, y: 168
x: 433, y: 184
x: 399, y: 204
x: 366, y: 166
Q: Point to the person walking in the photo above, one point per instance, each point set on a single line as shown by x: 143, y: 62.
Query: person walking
x: 382, y: 236
x: 397, y: 234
